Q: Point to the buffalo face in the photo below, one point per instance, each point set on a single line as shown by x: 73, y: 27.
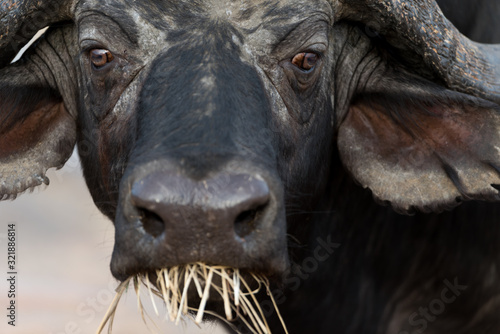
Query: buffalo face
x: 200, y: 118
x: 221, y: 131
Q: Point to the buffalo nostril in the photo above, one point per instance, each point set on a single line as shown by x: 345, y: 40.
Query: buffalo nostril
x: 246, y: 222
x: 151, y: 222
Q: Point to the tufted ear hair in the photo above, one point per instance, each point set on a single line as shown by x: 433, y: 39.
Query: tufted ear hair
x: 36, y: 130
x: 419, y: 146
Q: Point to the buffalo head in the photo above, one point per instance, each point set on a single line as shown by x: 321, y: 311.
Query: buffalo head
x: 210, y: 131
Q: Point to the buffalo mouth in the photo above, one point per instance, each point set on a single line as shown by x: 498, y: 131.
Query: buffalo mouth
x: 199, y: 291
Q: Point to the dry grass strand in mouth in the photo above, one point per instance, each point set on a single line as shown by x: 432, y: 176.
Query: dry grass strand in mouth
x: 172, y: 286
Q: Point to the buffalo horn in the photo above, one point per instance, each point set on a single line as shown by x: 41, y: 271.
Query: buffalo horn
x: 20, y: 20
x: 419, y: 29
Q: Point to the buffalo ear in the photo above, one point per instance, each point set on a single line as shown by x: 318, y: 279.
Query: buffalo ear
x: 36, y: 133
x: 419, y: 146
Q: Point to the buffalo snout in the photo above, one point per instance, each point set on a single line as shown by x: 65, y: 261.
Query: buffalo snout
x: 168, y: 218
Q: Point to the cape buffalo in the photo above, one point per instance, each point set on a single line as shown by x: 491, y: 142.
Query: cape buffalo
x: 348, y: 150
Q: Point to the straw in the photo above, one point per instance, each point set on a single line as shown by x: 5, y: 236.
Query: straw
x: 172, y: 287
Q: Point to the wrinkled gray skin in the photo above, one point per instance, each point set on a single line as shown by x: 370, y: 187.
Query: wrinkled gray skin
x: 205, y: 91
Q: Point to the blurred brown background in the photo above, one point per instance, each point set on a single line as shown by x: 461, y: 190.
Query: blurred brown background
x: 64, y: 247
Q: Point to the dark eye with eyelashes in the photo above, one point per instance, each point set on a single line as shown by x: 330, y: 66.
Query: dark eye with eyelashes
x: 306, y: 61
x: 100, y: 57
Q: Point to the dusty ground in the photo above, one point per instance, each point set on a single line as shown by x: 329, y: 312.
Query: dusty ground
x: 63, y: 251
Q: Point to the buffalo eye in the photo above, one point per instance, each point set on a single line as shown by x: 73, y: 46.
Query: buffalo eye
x: 100, y: 57
x: 305, y: 60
